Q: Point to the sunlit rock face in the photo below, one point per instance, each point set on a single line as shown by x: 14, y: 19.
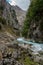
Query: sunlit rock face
x: 21, y: 14
x: 23, y: 4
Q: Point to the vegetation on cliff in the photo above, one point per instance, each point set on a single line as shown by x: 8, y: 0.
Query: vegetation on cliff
x: 8, y: 18
x: 2, y: 20
x: 34, y: 15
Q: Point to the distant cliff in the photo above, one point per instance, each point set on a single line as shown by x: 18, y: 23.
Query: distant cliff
x: 21, y: 14
x: 33, y: 24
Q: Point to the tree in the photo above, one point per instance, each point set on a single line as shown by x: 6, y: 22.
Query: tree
x: 35, y: 11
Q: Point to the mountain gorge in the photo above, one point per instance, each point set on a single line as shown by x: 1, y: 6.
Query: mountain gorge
x: 19, y: 32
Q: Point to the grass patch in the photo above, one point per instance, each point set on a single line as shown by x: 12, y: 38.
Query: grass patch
x: 27, y: 61
x: 10, y: 30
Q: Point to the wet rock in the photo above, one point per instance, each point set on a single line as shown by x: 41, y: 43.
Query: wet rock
x: 41, y: 52
x: 41, y: 62
x: 1, y: 62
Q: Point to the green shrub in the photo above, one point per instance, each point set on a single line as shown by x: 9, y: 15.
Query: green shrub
x: 1, y: 7
x: 41, y: 26
x: 2, y: 20
x: 13, y: 14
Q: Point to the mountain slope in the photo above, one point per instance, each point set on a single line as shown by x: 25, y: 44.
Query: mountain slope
x: 20, y: 14
x: 8, y: 14
x: 33, y: 24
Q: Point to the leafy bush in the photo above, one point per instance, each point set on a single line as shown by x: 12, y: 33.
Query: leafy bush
x: 41, y: 26
x: 0, y: 27
x: 1, y: 7
x: 2, y: 20
x: 13, y: 14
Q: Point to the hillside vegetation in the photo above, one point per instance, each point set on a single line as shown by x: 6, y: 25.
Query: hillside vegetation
x: 33, y: 24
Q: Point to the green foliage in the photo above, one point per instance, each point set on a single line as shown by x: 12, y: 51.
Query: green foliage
x: 1, y: 7
x: 2, y: 20
x: 13, y: 14
x: 27, y: 61
x: 34, y: 12
x: 41, y: 26
x: 0, y: 27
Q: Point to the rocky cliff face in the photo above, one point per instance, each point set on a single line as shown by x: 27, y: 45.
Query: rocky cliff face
x: 36, y: 31
x: 8, y: 13
x: 33, y: 24
x: 21, y: 14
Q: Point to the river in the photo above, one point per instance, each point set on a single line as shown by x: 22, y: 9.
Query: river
x: 36, y: 47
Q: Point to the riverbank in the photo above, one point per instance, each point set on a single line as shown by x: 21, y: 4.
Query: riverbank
x: 33, y: 48
x: 15, y: 55
x: 13, y: 52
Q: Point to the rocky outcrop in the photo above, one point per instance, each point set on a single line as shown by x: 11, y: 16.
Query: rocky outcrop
x: 33, y: 24
x: 21, y: 14
x: 36, y: 30
x: 8, y: 13
x: 14, y: 53
x: 17, y: 56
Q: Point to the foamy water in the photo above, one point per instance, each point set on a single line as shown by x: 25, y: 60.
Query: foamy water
x: 35, y: 46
